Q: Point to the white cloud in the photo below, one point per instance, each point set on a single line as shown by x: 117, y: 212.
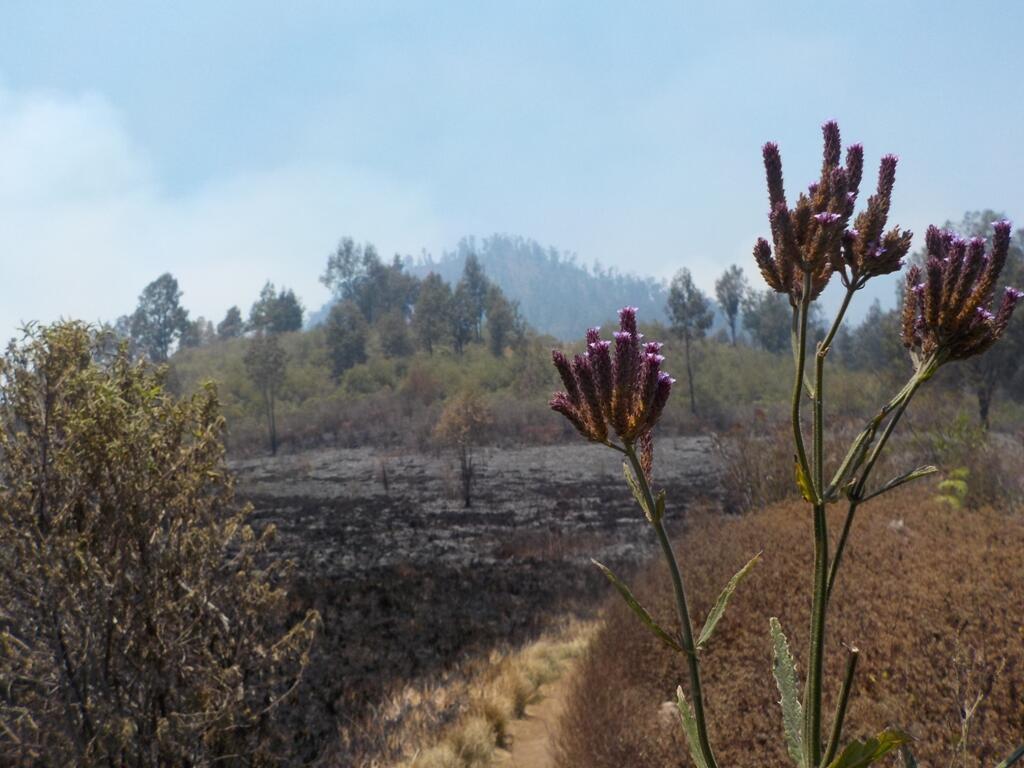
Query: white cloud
x: 87, y: 222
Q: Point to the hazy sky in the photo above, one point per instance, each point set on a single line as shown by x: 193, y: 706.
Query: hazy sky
x: 235, y: 142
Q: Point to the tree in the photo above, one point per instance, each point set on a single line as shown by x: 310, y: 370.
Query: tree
x: 356, y: 273
x: 266, y: 364
x: 462, y: 317
x: 232, y: 326
x: 477, y: 287
x: 768, y: 318
x: 393, y: 333
x: 140, y: 617
x: 287, y: 315
x: 431, y: 319
x: 275, y: 312
x: 461, y: 426
x: 503, y: 321
x: 875, y: 344
x: 159, y: 320
x: 262, y: 310
x: 347, y: 268
x: 345, y: 333
x: 198, y: 333
x: 730, y: 289
x: 689, y: 311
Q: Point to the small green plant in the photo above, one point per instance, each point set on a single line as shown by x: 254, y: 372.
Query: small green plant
x: 953, y: 489
x: 615, y: 398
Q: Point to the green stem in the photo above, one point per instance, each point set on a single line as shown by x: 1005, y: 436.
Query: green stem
x: 801, y: 358
x: 841, y: 545
x: 819, y: 397
x: 819, y: 373
x: 819, y: 606
x: 844, y: 697
x: 812, y: 723
x: 686, y: 626
x: 812, y: 695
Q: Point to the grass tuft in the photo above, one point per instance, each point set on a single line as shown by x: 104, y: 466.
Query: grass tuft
x: 498, y: 695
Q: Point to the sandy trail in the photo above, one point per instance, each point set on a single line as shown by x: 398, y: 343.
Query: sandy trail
x: 533, y: 737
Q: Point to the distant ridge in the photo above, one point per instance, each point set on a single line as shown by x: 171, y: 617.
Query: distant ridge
x: 556, y: 293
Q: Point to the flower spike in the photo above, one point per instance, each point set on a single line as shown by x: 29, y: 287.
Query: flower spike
x: 624, y: 391
x: 948, y: 314
x: 815, y: 238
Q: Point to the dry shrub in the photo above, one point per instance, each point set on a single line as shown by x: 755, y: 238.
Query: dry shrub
x: 756, y: 458
x: 518, y: 688
x: 498, y: 709
x: 473, y: 742
x: 441, y: 756
x: 141, y: 621
x: 918, y: 586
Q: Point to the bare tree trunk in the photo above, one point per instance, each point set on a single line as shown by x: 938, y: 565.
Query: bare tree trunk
x: 984, y: 404
x: 273, y: 427
x: 268, y: 403
x: 689, y: 376
x: 466, y: 470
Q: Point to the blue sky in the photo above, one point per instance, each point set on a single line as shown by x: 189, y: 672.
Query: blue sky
x: 231, y: 142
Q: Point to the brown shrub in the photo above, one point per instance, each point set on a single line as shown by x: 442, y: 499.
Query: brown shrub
x: 920, y: 584
x: 757, y: 464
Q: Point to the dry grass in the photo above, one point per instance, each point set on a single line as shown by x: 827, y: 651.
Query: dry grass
x: 930, y: 595
x: 461, y: 720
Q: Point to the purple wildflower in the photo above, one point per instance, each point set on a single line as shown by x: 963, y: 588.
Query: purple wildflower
x: 949, y: 314
x: 622, y: 392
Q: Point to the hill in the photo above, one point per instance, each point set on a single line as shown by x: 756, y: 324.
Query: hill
x: 557, y: 293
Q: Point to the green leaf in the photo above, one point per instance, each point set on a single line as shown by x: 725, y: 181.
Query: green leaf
x: 659, y: 507
x: 690, y: 729
x: 804, y: 484
x: 907, y: 477
x: 638, y: 609
x: 634, y: 486
x: 785, y: 677
x: 1017, y: 755
x: 852, y: 462
x: 861, y: 754
x: 723, y: 599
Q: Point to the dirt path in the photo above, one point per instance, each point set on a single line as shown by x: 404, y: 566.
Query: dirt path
x: 533, y: 736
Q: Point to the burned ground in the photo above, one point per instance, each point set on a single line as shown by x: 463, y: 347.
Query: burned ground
x: 411, y: 583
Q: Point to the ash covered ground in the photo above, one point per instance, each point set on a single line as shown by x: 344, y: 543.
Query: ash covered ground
x: 409, y: 581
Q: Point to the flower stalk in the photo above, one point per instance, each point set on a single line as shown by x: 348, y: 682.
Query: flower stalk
x: 686, y: 625
x: 616, y: 392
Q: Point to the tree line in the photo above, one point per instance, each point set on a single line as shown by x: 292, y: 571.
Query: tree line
x: 765, y: 317
x: 160, y: 324
x: 376, y: 306
x: 406, y: 312
x: 384, y: 309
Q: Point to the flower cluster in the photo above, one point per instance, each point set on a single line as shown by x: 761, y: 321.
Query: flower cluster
x: 814, y: 239
x: 947, y: 305
x: 621, y: 390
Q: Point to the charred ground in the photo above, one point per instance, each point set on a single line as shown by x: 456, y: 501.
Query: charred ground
x: 410, y: 582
